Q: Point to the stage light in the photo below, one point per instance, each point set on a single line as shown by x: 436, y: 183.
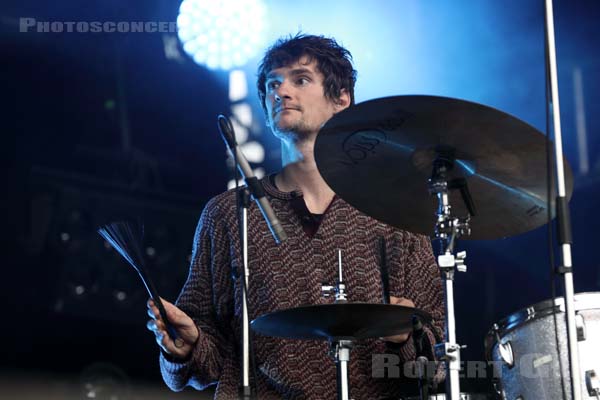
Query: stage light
x: 254, y: 152
x: 221, y: 34
x: 238, y: 85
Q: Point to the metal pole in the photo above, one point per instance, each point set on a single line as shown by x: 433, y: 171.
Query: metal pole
x: 447, y: 230
x: 342, y: 357
x: 245, y: 319
x: 560, y: 173
x: 453, y: 360
x: 244, y: 203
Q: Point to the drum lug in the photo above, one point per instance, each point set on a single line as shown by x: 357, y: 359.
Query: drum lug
x: 592, y: 382
x: 580, y: 324
x: 505, y: 349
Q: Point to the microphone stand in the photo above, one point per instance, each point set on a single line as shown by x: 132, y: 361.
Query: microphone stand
x: 562, y: 214
x: 252, y: 189
x: 243, y: 205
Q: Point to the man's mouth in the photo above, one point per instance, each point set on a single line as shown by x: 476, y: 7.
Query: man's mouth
x: 278, y: 110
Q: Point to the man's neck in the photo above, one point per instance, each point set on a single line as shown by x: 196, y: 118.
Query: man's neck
x: 300, y: 172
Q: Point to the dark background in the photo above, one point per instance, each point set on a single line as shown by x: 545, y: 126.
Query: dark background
x: 105, y: 126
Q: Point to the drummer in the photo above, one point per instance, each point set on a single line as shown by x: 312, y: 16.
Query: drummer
x: 303, y: 81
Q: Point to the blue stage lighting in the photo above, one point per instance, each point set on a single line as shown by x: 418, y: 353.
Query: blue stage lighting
x: 221, y: 34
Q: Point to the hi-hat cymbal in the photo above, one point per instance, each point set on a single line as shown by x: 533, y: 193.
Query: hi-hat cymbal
x: 378, y: 157
x: 339, y: 321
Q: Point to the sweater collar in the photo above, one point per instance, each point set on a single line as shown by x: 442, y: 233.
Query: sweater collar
x: 270, y: 188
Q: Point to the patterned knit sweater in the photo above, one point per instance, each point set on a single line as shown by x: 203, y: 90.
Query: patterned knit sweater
x: 291, y: 275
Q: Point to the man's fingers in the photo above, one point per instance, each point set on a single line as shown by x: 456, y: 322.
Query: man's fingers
x: 401, y: 301
x: 151, y: 325
x: 161, y: 340
x: 161, y: 336
x: 170, y: 309
x: 156, y: 326
x: 173, y: 313
x: 397, y: 338
x: 152, y: 312
x: 183, y: 324
x: 161, y: 325
x: 397, y: 300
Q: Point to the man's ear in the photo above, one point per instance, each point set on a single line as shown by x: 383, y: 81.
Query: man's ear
x: 343, y: 101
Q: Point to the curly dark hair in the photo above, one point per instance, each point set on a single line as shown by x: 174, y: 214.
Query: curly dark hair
x: 333, y: 61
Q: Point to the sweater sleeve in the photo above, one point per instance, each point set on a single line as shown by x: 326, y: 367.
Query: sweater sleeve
x: 419, y: 280
x: 424, y: 284
x: 207, y: 298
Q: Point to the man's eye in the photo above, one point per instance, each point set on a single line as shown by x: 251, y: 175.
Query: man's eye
x: 273, y: 85
x: 303, y: 81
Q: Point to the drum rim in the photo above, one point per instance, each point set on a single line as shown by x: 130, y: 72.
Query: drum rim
x: 583, y: 301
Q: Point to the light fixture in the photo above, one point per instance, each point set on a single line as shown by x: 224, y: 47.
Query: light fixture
x: 221, y: 34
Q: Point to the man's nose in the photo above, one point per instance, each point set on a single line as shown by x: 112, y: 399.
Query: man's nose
x: 282, y: 91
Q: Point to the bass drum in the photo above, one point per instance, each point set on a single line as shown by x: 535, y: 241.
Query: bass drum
x: 523, y: 351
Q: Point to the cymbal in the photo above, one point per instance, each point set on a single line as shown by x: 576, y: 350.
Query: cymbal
x: 378, y: 157
x: 338, y: 321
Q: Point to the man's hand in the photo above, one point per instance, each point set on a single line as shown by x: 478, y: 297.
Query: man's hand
x: 181, y: 322
x: 401, y: 301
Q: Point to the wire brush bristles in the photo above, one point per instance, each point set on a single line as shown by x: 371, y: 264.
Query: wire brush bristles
x: 127, y: 241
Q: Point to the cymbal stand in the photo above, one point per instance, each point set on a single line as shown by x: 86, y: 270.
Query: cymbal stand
x: 562, y: 208
x: 340, y: 348
x: 447, y: 230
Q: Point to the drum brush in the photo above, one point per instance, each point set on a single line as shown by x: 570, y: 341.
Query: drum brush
x: 127, y: 241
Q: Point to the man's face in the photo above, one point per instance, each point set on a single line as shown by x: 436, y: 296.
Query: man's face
x: 295, y: 99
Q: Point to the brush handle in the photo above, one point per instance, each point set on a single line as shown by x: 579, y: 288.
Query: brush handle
x: 161, y: 309
x: 163, y: 315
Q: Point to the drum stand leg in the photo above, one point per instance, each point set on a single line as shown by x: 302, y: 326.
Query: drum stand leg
x: 340, y: 350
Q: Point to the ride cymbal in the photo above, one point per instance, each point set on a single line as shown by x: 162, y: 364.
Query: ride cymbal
x: 378, y: 156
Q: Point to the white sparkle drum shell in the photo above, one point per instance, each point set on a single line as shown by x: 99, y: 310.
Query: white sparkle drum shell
x: 523, y: 350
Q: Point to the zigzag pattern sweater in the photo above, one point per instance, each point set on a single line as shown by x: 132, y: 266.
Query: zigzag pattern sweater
x: 291, y: 275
